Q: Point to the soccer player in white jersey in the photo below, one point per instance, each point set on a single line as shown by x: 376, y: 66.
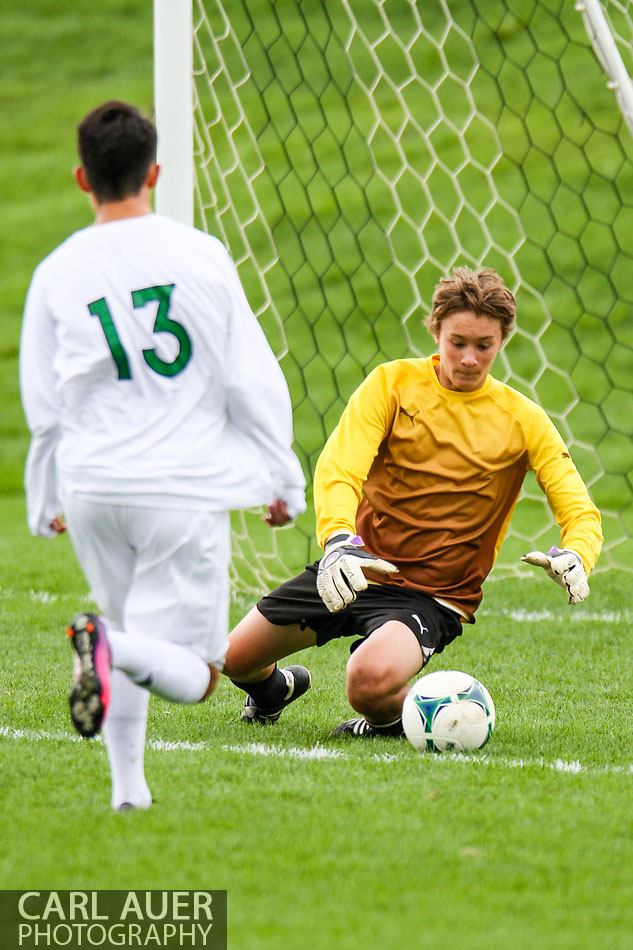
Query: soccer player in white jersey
x: 156, y: 406
x: 413, y: 493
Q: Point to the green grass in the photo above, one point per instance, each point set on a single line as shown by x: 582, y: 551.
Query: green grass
x: 371, y: 845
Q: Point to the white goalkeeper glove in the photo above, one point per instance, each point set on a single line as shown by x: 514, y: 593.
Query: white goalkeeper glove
x: 564, y: 567
x: 340, y: 574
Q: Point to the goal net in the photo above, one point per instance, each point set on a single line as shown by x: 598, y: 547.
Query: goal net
x: 350, y: 154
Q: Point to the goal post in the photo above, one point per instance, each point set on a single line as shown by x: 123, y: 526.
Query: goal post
x: 606, y: 48
x: 173, y: 104
x: 350, y: 154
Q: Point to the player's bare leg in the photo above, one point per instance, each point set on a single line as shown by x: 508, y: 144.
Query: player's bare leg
x: 378, y: 673
x: 214, y: 679
x: 254, y: 647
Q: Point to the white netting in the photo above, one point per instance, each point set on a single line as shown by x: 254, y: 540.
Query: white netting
x: 352, y: 153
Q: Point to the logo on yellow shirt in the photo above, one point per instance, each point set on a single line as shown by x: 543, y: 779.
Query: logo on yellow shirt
x: 408, y: 414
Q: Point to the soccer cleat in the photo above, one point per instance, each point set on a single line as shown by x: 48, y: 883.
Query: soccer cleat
x: 90, y: 694
x: 363, y: 729
x: 298, y: 680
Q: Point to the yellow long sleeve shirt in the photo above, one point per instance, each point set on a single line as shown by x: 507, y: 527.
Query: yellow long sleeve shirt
x: 429, y: 478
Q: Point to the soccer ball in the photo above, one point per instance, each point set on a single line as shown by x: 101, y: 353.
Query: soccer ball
x: 448, y: 710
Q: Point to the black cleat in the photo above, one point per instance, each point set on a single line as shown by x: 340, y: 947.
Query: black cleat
x: 90, y: 694
x: 360, y: 728
x: 298, y: 680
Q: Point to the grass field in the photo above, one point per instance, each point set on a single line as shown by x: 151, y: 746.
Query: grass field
x: 328, y: 843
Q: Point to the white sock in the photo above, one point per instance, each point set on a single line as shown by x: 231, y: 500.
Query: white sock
x: 124, y: 733
x: 166, y: 669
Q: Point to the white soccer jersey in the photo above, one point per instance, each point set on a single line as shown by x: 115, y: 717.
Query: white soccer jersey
x: 145, y: 376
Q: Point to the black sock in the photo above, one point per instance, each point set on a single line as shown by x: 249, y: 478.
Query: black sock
x: 268, y: 692
x: 388, y: 728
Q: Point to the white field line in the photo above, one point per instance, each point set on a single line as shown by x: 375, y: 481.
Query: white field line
x: 521, y: 614
x: 35, y: 735
x: 258, y: 748
x: 518, y: 614
x: 46, y: 596
x: 321, y: 753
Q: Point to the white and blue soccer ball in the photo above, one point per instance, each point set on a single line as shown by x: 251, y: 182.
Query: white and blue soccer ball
x: 448, y: 711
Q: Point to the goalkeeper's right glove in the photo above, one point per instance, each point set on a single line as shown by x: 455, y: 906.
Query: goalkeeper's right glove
x: 340, y: 574
x: 565, y: 568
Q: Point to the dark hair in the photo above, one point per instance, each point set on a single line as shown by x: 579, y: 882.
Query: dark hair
x: 481, y: 292
x: 117, y: 145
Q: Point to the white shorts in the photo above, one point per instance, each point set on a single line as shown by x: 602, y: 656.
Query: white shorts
x: 157, y: 572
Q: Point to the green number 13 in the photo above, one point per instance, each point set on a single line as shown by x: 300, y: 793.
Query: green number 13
x: 162, y: 324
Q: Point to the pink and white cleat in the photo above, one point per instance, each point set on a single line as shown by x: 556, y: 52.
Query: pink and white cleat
x: 90, y: 694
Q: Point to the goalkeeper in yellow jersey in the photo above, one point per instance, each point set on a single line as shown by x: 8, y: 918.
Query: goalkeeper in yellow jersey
x: 413, y: 492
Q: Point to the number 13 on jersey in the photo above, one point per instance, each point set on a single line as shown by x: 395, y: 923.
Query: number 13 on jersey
x: 162, y: 324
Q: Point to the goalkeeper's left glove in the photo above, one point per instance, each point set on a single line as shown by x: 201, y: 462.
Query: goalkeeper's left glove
x: 566, y: 568
x: 340, y: 574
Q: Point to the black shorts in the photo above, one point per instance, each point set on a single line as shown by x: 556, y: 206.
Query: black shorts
x: 298, y: 601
